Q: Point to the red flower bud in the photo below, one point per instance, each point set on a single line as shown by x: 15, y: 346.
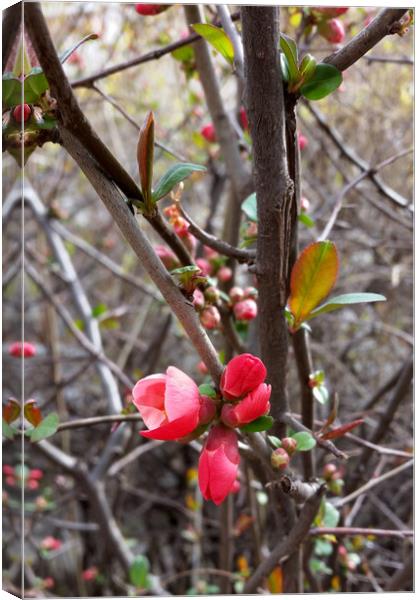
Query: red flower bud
x: 251, y: 293
x: 218, y: 464
x: 22, y: 112
x: 224, y: 274
x: 210, y: 253
x: 10, y: 480
x: 210, y: 317
x: 36, y: 474
x: 48, y: 583
x: 246, y: 310
x: 208, y: 132
x: 289, y: 444
x: 254, y: 405
x: 50, y: 543
x: 305, y: 205
x: 333, y: 31
x: 280, y: 458
x: 201, y: 368
x: 329, y: 471
x: 207, y: 410
x: 236, y: 294
x: 89, y: 574
x: 198, y: 299
x: 243, y: 118
x: 242, y: 374
x: 20, y: 349
x: 33, y: 484
x: 212, y: 294
x: 204, y: 265
x: 148, y: 10
x: 8, y: 470
x: 302, y: 141
x: 167, y: 257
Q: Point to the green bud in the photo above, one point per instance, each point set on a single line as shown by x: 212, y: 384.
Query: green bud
x: 307, y: 67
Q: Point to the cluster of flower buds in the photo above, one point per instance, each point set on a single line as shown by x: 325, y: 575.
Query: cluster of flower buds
x: 173, y: 408
x: 180, y: 226
x: 29, y: 479
x: 168, y: 258
x: 214, y: 265
x: 328, y: 25
x: 280, y: 457
x: 19, y: 349
x: 333, y: 478
x: 243, y: 303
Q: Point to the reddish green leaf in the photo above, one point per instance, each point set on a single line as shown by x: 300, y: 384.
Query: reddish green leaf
x: 313, y: 276
x: 340, y: 431
x: 11, y: 411
x: 145, y: 148
x: 46, y: 428
x: 32, y: 413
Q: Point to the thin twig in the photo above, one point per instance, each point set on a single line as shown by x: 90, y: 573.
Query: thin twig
x: 364, y: 531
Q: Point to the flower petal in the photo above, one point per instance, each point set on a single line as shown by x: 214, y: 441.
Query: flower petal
x: 182, y: 396
x: 148, y: 397
x: 254, y: 405
x: 242, y: 374
x: 172, y: 430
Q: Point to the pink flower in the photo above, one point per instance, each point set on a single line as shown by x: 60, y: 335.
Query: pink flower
x: 302, y: 141
x: 204, y: 265
x: 50, y: 543
x: 20, y: 349
x: 254, y: 405
x: 151, y: 9
x: 208, y: 132
x: 333, y: 31
x: 210, y: 317
x: 89, y: 574
x: 169, y: 404
x: 224, y: 274
x: 218, y: 464
x: 242, y: 374
x: 246, y: 310
x: 167, y: 257
x: 36, y: 474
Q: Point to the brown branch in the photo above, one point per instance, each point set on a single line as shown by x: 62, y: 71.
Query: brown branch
x: 213, y: 242
x: 276, y: 210
x: 128, y: 226
x: 139, y: 60
x: 349, y: 153
x: 12, y: 18
x: 288, y: 546
x: 380, y: 27
x: 343, y: 531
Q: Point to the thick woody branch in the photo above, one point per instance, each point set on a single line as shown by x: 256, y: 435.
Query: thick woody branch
x: 380, y: 27
x: 276, y: 211
x: 288, y: 546
x: 128, y: 226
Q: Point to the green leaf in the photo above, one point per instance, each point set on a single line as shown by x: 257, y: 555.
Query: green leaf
x: 206, y: 389
x: 325, y: 80
x: 305, y: 441
x: 249, y: 207
x: 217, y: 38
x: 260, y: 424
x: 331, y: 516
x: 35, y: 84
x: 306, y: 220
x: 343, y: 300
x: 313, y: 276
x: 319, y: 567
x: 323, y: 547
x: 289, y: 49
x: 99, y: 309
x: 11, y: 90
x: 172, y: 177
x: 274, y: 441
x: 8, y: 431
x: 139, y: 572
x: 321, y: 394
x: 183, y: 54
x: 284, y: 67
x: 46, y: 428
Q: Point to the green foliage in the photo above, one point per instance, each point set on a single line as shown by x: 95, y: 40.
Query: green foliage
x: 139, y: 572
x: 172, y: 177
x: 217, y: 38
x: 206, y: 389
x: 345, y: 299
x: 46, y: 428
x: 260, y: 424
x: 325, y: 80
x: 9, y: 432
x: 305, y: 441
